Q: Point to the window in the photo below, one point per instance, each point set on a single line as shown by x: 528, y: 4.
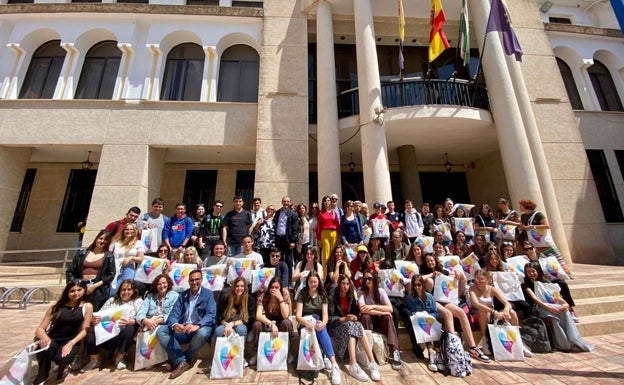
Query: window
x: 604, y: 185
x: 559, y: 20
x: 22, y: 201
x: 43, y: 71
x: 251, y: 4
x: 245, y: 180
x: 604, y: 87
x: 619, y: 155
x: 200, y: 187
x: 183, y: 73
x: 238, y: 75
x: 570, y: 85
x: 77, y: 200
x: 20, y: 1
x: 99, y: 72
x: 202, y: 2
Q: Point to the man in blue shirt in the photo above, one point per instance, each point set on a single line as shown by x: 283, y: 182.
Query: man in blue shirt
x: 191, y: 321
x: 178, y: 230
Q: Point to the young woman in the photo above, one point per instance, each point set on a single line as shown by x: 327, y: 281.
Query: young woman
x: 480, y: 247
x: 337, y: 266
x: 328, y: 224
x: 350, y: 227
x: 128, y: 251
x: 377, y: 253
x: 377, y: 312
x: 158, y: 304
x: 360, y: 264
x: 565, y: 334
x: 265, y: 234
x: 346, y: 330
x: 416, y: 254
x: 191, y: 256
x: 485, y: 221
x: 459, y: 241
x: 309, y: 264
x: 62, y: 328
x: 312, y: 314
x: 128, y: 294
x: 493, y: 262
x: 303, y: 242
x: 235, y: 311
x: 94, y: 265
x: 314, y: 209
x: 163, y: 252
x: 507, y: 250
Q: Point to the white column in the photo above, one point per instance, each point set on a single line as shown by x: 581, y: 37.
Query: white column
x: 65, y: 85
x: 589, y: 97
x: 328, y: 150
x: 127, y: 54
x: 374, y: 149
x: 212, y: 72
x: 10, y: 90
x: 513, y: 144
x: 152, y: 81
x: 408, y: 168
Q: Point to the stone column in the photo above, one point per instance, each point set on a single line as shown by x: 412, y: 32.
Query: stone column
x: 328, y: 150
x: 13, y: 164
x: 377, y: 186
x: 410, y: 180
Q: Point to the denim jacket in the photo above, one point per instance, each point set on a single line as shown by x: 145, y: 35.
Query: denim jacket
x: 150, y: 306
x: 415, y: 304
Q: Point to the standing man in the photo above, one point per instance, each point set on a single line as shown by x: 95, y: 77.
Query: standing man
x: 236, y: 224
x: 178, y: 231
x: 116, y: 227
x: 286, y: 224
x: 413, y: 222
x: 334, y: 205
x: 257, y: 211
x: 191, y: 321
x: 395, y: 218
x: 427, y: 218
x: 212, y: 230
x: 155, y: 219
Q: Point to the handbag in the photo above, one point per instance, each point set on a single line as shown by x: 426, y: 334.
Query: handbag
x: 19, y: 369
x: 425, y: 243
x: 446, y: 289
x: 310, y: 355
x: 261, y: 278
x: 509, y: 285
x: 378, y: 344
x: 464, y: 225
x: 539, y: 237
x: 470, y: 265
x: 149, y: 351
x: 553, y: 269
x: 549, y: 293
x: 444, y: 229
x: 506, y: 342
x: 228, y: 360
x: 179, y: 273
x: 507, y: 232
x: 450, y: 262
x: 516, y: 264
x: 426, y: 327
x: 272, y: 352
x: 108, y: 327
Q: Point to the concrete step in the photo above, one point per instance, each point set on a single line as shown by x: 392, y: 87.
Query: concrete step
x: 583, y: 289
x: 599, y: 324
x: 599, y: 305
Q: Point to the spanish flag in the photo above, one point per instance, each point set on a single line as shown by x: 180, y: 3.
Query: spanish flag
x: 437, y: 39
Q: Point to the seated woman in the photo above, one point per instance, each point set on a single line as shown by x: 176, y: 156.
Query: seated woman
x: 397, y: 250
x: 163, y: 252
x: 458, y: 241
x: 235, y: 310
x: 433, y: 268
x: 377, y: 253
x: 337, y: 266
x: 95, y: 265
x: 312, y: 314
x: 360, y: 264
x: 377, y: 312
x: 62, y: 328
x: 158, y: 304
x: 346, y: 330
x: 128, y: 294
x: 493, y: 263
x: 128, y: 251
x: 507, y: 250
x: 307, y: 265
x: 191, y: 256
x: 416, y: 254
x: 419, y: 300
x: 565, y: 334
x: 490, y: 303
x: 272, y: 315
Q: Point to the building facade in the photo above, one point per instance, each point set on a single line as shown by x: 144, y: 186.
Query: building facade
x: 199, y: 100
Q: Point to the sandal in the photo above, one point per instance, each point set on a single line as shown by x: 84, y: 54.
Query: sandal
x: 477, y: 353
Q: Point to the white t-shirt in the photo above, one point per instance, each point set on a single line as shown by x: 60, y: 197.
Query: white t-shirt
x: 368, y: 300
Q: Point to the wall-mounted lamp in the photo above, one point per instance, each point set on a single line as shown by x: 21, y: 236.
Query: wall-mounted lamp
x: 351, y: 163
x: 87, y: 164
x: 379, y: 115
x: 546, y: 6
x: 448, y: 166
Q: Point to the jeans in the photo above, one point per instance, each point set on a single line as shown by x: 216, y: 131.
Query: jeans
x: 323, y: 339
x: 234, y: 249
x: 241, y: 330
x: 171, y: 341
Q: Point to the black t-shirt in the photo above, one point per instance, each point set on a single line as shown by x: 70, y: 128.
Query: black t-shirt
x: 238, y: 225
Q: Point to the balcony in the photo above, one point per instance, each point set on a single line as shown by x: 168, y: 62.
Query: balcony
x: 415, y: 92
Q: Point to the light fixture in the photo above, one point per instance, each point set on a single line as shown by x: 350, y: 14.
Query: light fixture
x: 448, y: 166
x: 87, y: 164
x: 351, y: 163
x: 379, y: 115
x: 546, y: 6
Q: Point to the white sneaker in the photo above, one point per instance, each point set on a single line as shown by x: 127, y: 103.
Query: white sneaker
x: 356, y: 372
x: 440, y: 362
x: 374, y: 371
x: 396, y: 360
x: 336, y: 379
x: 432, y: 361
x: 253, y: 360
x: 328, y: 365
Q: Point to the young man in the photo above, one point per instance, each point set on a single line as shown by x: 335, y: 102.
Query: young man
x: 178, y: 230
x: 212, y: 230
x: 155, y: 219
x: 395, y: 218
x: 247, y: 252
x: 257, y: 211
x: 217, y: 255
x: 427, y: 219
x: 236, y: 224
x: 116, y: 227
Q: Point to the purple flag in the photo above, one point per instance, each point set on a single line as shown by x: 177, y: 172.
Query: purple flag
x: 499, y: 21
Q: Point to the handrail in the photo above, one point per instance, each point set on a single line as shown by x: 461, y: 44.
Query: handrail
x: 63, y: 262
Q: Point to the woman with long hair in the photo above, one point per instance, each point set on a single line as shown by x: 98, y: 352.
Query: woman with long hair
x: 350, y: 227
x: 360, y: 264
x: 307, y: 265
x: 128, y: 251
x: 377, y: 312
x: 346, y: 330
x: 158, y: 303
x: 415, y: 254
x: 303, y: 242
x: 62, y: 328
x: 163, y: 252
x: 337, y: 266
x: 312, y: 314
x: 94, y: 265
x: 328, y: 225
x: 128, y: 294
x: 235, y: 310
x: 485, y: 221
x: 191, y: 256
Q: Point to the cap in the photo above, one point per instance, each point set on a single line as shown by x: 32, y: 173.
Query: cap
x: 376, y: 205
x: 383, y: 207
x: 361, y: 248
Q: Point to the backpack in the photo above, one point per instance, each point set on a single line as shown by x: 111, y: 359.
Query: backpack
x: 535, y: 335
x: 457, y: 361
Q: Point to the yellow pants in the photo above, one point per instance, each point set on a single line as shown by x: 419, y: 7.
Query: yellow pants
x: 328, y: 243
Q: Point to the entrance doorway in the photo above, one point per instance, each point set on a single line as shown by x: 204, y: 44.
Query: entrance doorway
x: 437, y: 186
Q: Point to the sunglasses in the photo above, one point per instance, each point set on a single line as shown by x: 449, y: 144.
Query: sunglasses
x: 275, y: 256
x: 418, y: 285
x: 367, y: 279
x: 528, y: 248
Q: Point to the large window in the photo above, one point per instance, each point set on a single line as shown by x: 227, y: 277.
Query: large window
x: 77, y: 200
x: 200, y: 187
x: 22, y: 201
x: 604, y: 87
x: 183, y: 73
x: 239, y: 75
x: 604, y: 184
x: 99, y: 71
x: 43, y: 71
x: 570, y: 85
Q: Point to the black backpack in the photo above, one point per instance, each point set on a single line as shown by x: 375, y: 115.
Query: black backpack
x: 535, y: 335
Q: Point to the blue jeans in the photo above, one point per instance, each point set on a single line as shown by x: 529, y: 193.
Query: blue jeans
x: 323, y: 339
x: 171, y: 341
x: 241, y: 330
x: 233, y: 249
x: 127, y: 272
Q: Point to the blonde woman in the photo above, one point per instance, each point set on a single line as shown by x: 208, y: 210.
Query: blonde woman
x: 128, y: 252
x: 191, y: 256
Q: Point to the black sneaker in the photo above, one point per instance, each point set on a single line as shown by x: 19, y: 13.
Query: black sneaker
x: 396, y: 360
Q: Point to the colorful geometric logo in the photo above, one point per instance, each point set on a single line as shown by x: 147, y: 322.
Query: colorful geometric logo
x: 108, y: 322
x: 426, y: 324
x: 180, y: 275
x: 241, y: 266
x: 271, y: 349
x: 407, y: 271
x: 507, y: 340
x: 264, y: 275
x: 553, y: 269
x: 149, y: 267
x: 447, y: 287
x: 146, y: 349
x: 308, y: 350
x: 226, y: 355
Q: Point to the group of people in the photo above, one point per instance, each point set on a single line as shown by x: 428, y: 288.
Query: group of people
x: 327, y: 264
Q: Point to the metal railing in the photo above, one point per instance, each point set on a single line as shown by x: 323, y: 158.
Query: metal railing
x: 67, y: 253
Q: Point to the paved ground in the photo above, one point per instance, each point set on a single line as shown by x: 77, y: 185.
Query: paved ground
x: 605, y: 365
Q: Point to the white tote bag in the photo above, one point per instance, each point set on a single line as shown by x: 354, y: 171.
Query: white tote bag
x: 509, y: 285
x: 272, y: 352
x: 507, y: 232
x: 149, y: 351
x: 425, y: 243
x: 19, y: 369
x: 426, y: 327
x: 261, y: 278
x: 310, y: 355
x: 446, y: 289
x: 228, y: 359
x: 553, y: 269
x: 407, y: 269
x: 149, y: 269
x: 214, y: 277
x: 451, y: 262
x: 464, y: 225
x: 444, y: 229
x: 540, y: 237
x: 108, y: 327
x: 392, y: 282
x: 549, y: 293
x: 179, y: 273
x: 149, y: 237
x: 470, y: 264
x: 516, y: 264
x: 506, y: 342
x: 240, y: 267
